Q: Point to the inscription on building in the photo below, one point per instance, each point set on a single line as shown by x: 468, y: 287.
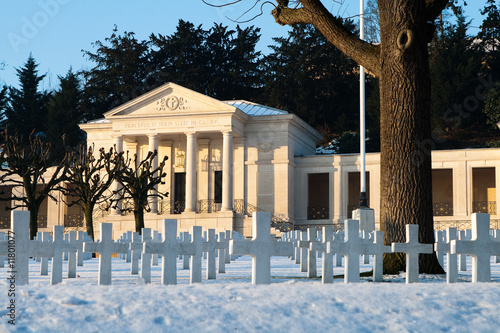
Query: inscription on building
x: 169, y: 123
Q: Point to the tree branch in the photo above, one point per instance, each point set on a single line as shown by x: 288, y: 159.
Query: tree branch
x: 313, y: 12
x: 434, y: 8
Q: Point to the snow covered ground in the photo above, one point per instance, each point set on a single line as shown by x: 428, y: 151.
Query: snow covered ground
x: 291, y: 303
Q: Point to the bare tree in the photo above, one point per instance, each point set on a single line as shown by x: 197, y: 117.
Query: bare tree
x: 26, y: 167
x: 401, y: 63
x: 139, y: 180
x: 88, y: 180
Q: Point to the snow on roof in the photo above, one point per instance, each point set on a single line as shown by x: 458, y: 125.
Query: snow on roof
x: 253, y: 109
x: 99, y: 121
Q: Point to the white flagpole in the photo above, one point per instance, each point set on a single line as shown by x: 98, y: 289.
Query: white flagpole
x: 363, y: 198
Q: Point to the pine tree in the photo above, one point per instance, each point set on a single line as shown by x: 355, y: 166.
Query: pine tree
x: 455, y: 61
x: 119, y: 75
x: 64, y: 114
x: 308, y: 76
x: 26, y: 111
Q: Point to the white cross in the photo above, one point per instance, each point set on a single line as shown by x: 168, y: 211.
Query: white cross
x: 197, y: 243
x: 44, y: 261
x: 365, y: 235
x: 54, y: 250
x: 338, y: 238
x: 412, y: 248
x: 327, y: 258
x: 135, y: 248
x: 209, y: 247
x: 451, y: 259
x: 79, y: 252
x: 105, y: 247
x: 462, y: 258
x: 262, y: 247
x: 481, y: 247
x: 226, y: 241
x: 311, y: 254
x: 127, y: 240
x: 303, y: 252
x: 222, y: 247
x: 296, y: 252
x: 146, y: 257
x: 496, y: 237
x: 185, y: 238
x: 169, y: 248
x: 352, y: 248
x: 377, y: 249
x: 439, y: 245
x: 72, y: 254
x: 157, y: 238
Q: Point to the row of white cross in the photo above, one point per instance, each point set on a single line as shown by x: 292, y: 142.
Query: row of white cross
x: 18, y: 248
x: 480, y: 246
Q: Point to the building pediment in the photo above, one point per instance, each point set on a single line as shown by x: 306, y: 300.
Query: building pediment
x: 168, y: 100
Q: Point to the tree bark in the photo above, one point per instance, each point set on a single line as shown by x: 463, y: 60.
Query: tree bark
x: 139, y: 217
x: 89, y: 219
x: 33, y: 221
x: 405, y: 159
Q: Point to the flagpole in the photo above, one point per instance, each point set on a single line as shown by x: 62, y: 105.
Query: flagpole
x: 363, y: 200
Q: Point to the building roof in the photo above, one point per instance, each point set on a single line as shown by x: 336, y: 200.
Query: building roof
x: 99, y: 121
x: 253, y: 109
x: 250, y: 108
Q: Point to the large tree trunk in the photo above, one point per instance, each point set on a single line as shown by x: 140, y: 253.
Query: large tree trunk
x: 405, y: 160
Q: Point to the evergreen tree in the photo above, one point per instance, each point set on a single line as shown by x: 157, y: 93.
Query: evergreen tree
x: 455, y: 62
x: 64, y: 114
x: 307, y: 75
x: 233, y: 63
x: 489, y: 38
x: 492, y: 108
x: 122, y: 66
x: 181, y: 57
x: 3, y: 99
x: 218, y: 62
x: 26, y: 111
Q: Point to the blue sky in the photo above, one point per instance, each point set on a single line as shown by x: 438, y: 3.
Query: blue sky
x: 56, y: 31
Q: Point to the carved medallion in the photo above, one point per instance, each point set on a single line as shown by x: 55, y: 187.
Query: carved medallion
x: 265, y: 147
x: 171, y: 103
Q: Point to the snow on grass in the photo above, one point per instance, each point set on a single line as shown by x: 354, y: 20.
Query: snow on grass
x: 291, y: 303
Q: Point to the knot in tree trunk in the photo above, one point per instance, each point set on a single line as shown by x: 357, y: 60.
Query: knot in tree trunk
x: 405, y: 39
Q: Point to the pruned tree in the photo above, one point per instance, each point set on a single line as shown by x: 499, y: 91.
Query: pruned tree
x: 139, y: 180
x: 401, y: 63
x: 89, y: 178
x: 26, y: 166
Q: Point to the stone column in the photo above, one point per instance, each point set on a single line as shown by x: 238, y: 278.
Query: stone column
x: 497, y: 185
x: 227, y: 171
x: 118, y: 143
x: 190, y: 173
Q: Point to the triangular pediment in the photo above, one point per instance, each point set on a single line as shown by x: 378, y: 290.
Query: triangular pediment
x: 168, y: 99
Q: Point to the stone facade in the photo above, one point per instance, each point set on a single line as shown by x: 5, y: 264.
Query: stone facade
x: 228, y: 159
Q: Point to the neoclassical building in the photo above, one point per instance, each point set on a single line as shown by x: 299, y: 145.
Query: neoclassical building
x: 227, y: 159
